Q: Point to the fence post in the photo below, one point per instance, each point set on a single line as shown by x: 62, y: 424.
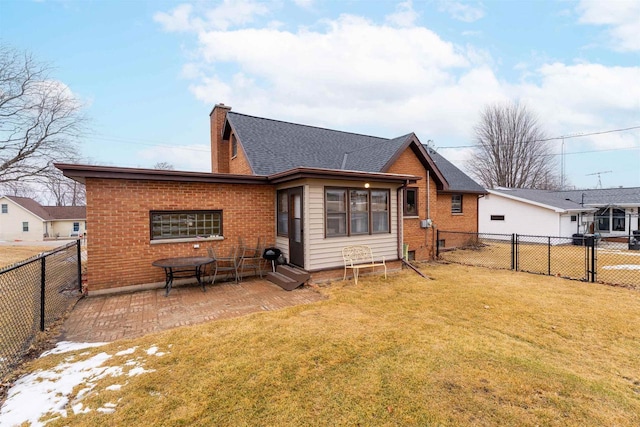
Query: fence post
x: 549, y: 256
x: 79, y: 267
x: 437, y: 243
x: 593, y: 259
x: 513, y: 251
x: 43, y: 280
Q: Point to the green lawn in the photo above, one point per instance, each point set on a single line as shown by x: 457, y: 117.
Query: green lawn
x: 473, y: 347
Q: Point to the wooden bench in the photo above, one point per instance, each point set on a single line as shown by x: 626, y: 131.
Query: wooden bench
x: 357, y: 257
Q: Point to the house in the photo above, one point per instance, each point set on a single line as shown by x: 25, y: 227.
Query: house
x: 609, y: 212
x: 24, y: 219
x: 309, y: 191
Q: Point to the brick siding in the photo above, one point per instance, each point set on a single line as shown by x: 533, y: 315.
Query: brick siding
x: 239, y: 164
x: 420, y: 240
x: 466, y: 221
x: 119, y: 251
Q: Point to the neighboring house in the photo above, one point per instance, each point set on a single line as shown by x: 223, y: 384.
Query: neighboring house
x: 310, y: 191
x: 24, y: 219
x: 608, y: 212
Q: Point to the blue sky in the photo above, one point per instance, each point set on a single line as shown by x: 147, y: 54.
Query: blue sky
x: 149, y: 72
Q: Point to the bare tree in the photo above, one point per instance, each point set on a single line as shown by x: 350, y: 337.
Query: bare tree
x: 164, y: 166
x: 21, y: 189
x: 64, y: 191
x: 511, y: 149
x: 40, y: 120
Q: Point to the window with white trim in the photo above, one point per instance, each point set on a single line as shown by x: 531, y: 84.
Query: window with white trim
x: 5, y: 208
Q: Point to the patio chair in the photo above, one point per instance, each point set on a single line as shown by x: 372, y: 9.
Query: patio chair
x: 251, y: 258
x: 224, y: 265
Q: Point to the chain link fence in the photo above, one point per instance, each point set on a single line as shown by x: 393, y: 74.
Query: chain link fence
x: 34, y: 294
x: 611, y: 260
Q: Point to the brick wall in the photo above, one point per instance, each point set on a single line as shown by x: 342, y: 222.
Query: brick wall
x: 239, y: 164
x: 420, y: 240
x: 466, y: 221
x: 219, y: 148
x: 118, y: 248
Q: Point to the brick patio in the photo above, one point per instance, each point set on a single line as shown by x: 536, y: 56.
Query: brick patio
x: 131, y: 315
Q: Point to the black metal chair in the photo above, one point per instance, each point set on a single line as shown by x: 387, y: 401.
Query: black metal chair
x: 224, y: 265
x: 251, y: 259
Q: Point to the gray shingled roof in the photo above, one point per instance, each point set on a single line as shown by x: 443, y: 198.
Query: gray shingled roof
x: 572, y: 199
x: 273, y: 146
x: 458, y: 180
x: 604, y: 196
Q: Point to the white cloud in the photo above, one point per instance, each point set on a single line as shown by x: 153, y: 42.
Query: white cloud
x: 588, y: 97
x: 349, y: 74
x: 404, y: 16
x: 461, y: 11
x: 621, y: 16
x: 229, y: 13
x: 178, y: 20
x: 305, y: 4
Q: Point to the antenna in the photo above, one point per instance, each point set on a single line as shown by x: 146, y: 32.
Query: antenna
x: 599, y: 180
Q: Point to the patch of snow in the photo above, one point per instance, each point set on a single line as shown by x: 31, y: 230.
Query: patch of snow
x: 127, y: 351
x: 138, y: 370
x: 619, y: 252
x: 66, y: 346
x: 152, y: 350
x: 622, y: 267
x: 43, y: 392
x: 48, y: 392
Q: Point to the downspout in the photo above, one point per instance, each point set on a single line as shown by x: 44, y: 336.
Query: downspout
x: 426, y: 230
x: 428, y: 195
x: 400, y: 214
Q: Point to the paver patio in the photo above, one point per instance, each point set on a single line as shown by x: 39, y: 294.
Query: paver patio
x: 111, y: 317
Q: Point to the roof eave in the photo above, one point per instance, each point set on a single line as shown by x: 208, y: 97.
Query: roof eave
x: 556, y: 209
x: 81, y: 172
x: 320, y: 173
x: 424, y: 158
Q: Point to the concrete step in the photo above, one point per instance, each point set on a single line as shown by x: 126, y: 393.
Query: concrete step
x: 285, y: 282
x: 294, y: 273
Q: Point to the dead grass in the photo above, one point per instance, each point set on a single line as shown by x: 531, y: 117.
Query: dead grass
x: 566, y: 261
x: 11, y: 254
x: 473, y: 347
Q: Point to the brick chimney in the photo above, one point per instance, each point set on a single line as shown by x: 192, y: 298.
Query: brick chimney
x: 219, y: 148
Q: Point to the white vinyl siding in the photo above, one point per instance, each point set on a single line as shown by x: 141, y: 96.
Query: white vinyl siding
x: 322, y: 252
